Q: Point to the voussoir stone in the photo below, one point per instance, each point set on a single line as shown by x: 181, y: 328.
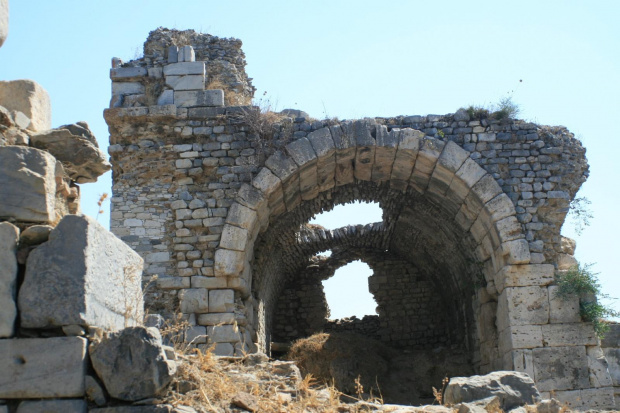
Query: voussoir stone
x: 9, y: 236
x: 28, y: 182
x: 513, y: 389
x: 132, y: 363
x: 75, y: 147
x: 83, y: 275
x: 28, y: 97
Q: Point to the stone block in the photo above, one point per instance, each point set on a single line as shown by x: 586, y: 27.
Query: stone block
x: 221, y: 301
x: 524, y: 276
x: 241, y: 216
x: 599, y: 367
x: 9, y: 236
x: 128, y: 88
x: 189, y: 82
x: 53, y: 406
x: 405, y: 158
x: 194, y: 300
x: 566, y: 262
x: 186, y: 54
x: 4, y: 20
x: 516, y: 251
x: 429, y: 152
x: 126, y: 73
x: 281, y: 165
x: 185, y: 68
x: 234, y: 238
x: 28, y: 182
x: 30, y: 98
x: 322, y: 142
x: 522, y: 360
x: 228, y: 262
x: 522, y: 306
x: 209, y: 282
x: 42, y: 367
x: 520, y: 337
x: 601, y: 398
x: 612, y: 355
x: 196, y: 335
x: 301, y: 151
x: 223, y: 334
x: 561, y: 368
x: 509, y: 229
x: 166, y: 98
x: 83, y: 275
x: 575, y: 334
x: 173, y: 54
x: 189, y: 98
x: 486, y: 189
x: 172, y: 283
x: 563, y: 310
x: 214, y: 319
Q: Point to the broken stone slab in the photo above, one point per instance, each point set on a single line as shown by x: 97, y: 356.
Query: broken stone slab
x: 83, y: 275
x: 28, y: 97
x: 513, y: 388
x: 9, y: 236
x: 132, y: 363
x: 189, y: 82
x: 53, y: 406
x: 75, y: 147
x: 185, y: 68
x: 42, y: 367
x: 28, y: 182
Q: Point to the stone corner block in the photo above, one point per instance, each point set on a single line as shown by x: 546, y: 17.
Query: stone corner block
x: 228, y: 263
x: 518, y: 306
x: 83, y: 275
x: 28, y: 97
x: 221, y: 301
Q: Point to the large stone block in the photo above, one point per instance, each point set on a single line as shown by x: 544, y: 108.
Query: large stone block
x: 565, y: 309
x: 4, y: 20
x: 83, y: 275
x: 28, y: 97
x: 524, y: 276
x: 561, y: 368
x: 42, y: 367
x: 599, y: 367
x: 574, y: 334
x: 522, y: 306
x: 27, y: 179
x: 189, y: 98
x: 53, y: 406
x: 612, y: 355
x: 132, y: 363
x: 9, y: 236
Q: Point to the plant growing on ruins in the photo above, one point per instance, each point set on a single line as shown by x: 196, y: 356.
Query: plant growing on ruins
x: 583, y: 282
x: 102, y: 198
x: 580, y: 213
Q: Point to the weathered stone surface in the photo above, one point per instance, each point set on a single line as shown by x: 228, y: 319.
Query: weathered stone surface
x: 82, y: 159
x: 221, y: 301
x: 561, y: 368
x: 194, y: 300
x: 42, y: 367
x: 190, y: 82
x: 4, y: 20
x: 53, y: 406
x: 189, y: 98
x: 28, y: 97
x: 185, y: 68
x: 563, y: 310
x: 83, y: 275
x: 35, y: 234
x: 9, y: 236
x: 27, y: 179
x: 612, y: 355
x: 599, y: 367
x: 513, y: 389
x: 574, y: 334
x: 94, y: 391
x: 132, y: 363
x: 524, y: 276
x: 522, y: 306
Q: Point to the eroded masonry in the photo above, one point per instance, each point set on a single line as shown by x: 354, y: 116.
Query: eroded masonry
x: 216, y: 197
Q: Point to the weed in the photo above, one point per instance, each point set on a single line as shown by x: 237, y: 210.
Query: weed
x: 232, y: 97
x: 438, y: 394
x: 580, y: 213
x: 102, y: 198
x: 583, y: 282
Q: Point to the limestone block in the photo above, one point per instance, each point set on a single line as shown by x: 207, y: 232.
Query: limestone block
x: 228, y: 263
x: 486, y: 189
x: 563, y: 310
x: 127, y: 88
x: 187, y: 54
x: 35, y: 235
x: 185, y: 68
x: 509, y: 229
x: 516, y: 251
x: 132, y: 363
x: 430, y: 150
x: 189, y: 98
x: 575, y: 334
x: 28, y: 182
x: 513, y: 388
x: 301, y: 151
x: 9, y: 236
x: 53, y: 406
x: 405, y: 158
x: 4, y: 20
x: 194, y: 300
x: 524, y: 276
x: 500, y: 207
x: 83, y: 275
x: 599, y: 371
x: 385, y: 152
x: 214, y: 319
x: 189, y: 82
x: 28, y: 97
x: 80, y: 155
x: 172, y: 283
x: 308, y: 181
x: 221, y: 301
x: 522, y: 306
x: 520, y: 337
x: 234, y: 238
x: 281, y: 165
x: 166, y: 98
x: 566, y: 262
x: 266, y: 182
x: 523, y: 361
x: 196, y: 335
x: 568, y: 245
x: 322, y: 142
x: 173, y: 54
x: 42, y: 367
x: 612, y: 355
x: 126, y: 73
x: 241, y: 216
x: 561, y: 368
x: 223, y: 334
x: 601, y: 398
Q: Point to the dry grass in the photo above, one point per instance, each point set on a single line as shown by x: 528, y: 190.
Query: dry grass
x: 231, y: 97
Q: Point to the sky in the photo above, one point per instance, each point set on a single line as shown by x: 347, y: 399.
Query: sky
x: 352, y: 59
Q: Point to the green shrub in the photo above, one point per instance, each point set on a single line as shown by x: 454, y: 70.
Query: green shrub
x: 583, y: 282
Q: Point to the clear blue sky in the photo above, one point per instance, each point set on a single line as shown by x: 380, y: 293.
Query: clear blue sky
x: 358, y: 58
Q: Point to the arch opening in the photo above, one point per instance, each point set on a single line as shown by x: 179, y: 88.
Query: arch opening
x: 347, y: 292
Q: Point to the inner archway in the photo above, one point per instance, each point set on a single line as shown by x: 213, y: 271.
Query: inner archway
x: 347, y: 292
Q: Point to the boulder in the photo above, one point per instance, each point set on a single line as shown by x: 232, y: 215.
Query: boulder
x: 513, y: 389
x: 132, y: 363
x: 9, y: 235
x: 28, y: 182
x: 42, y: 367
x: 28, y: 97
x: 83, y: 275
x: 35, y: 235
x: 4, y: 20
x: 77, y: 149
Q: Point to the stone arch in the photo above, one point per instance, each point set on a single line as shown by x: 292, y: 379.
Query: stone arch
x: 398, y: 160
